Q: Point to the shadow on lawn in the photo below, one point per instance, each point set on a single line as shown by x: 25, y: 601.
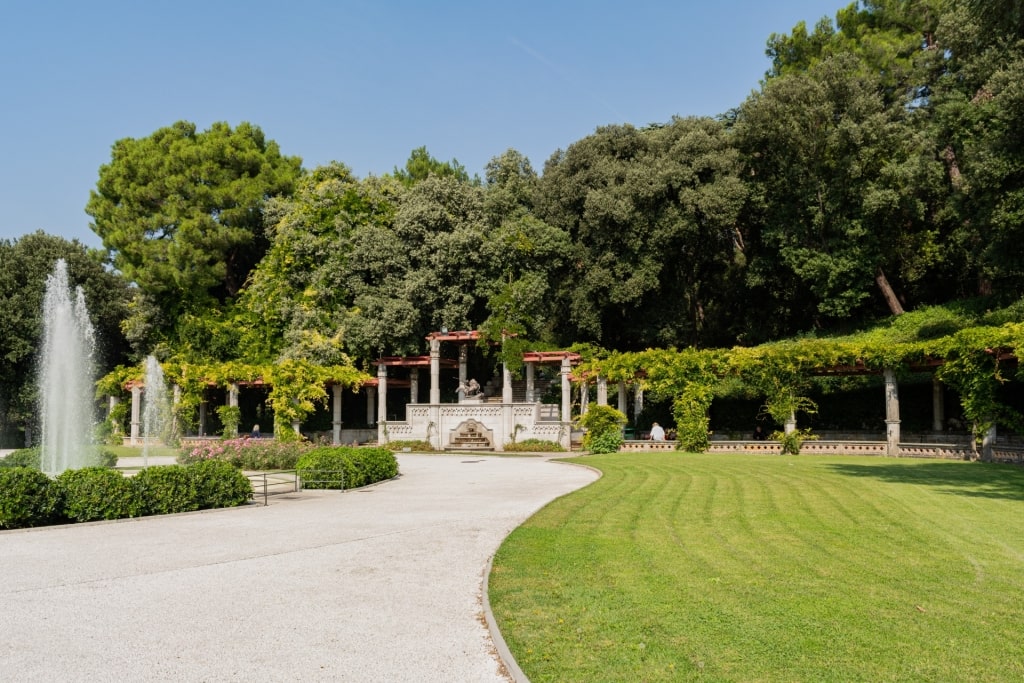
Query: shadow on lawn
x: 984, y: 480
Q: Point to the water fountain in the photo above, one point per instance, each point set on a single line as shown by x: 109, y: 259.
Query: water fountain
x: 156, y: 407
x: 66, y: 376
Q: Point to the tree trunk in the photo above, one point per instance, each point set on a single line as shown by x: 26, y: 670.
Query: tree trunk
x: 895, y: 307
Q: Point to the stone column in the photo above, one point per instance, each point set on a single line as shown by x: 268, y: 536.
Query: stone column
x: 136, y: 414
x: 463, y: 363
x: 382, y: 402
x: 175, y: 400
x: 602, y: 391
x: 988, y: 444
x: 112, y: 402
x: 435, y: 370
x: 790, y: 425
x: 233, y: 401
x: 584, y: 396
x: 530, y: 398
x: 892, y: 413
x: 938, y: 405
x: 371, y: 403
x: 566, y: 404
x: 622, y: 397
x: 506, y: 384
x: 336, y: 409
x: 414, y: 385
x: 638, y: 402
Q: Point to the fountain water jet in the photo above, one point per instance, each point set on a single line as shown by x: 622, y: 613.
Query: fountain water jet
x: 156, y: 408
x: 66, y: 376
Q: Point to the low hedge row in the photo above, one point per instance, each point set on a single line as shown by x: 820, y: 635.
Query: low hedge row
x: 29, y: 498
x: 32, y: 457
x: 345, y: 467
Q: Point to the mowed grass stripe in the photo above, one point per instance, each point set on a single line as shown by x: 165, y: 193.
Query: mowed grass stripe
x: 747, y: 568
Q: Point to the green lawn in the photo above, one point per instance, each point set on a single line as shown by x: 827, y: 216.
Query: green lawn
x: 761, y: 568
x: 136, y: 451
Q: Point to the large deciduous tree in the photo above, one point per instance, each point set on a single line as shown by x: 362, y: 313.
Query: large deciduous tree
x: 653, y: 217
x: 182, y: 211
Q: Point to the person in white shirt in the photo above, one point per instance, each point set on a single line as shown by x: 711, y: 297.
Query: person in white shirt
x: 657, y: 433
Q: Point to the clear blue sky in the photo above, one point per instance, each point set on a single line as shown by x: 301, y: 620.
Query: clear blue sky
x: 363, y: 83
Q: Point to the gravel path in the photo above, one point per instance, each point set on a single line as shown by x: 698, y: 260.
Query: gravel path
x: 380, y: 584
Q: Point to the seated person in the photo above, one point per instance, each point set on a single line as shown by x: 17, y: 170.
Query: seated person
x: 657, y: 433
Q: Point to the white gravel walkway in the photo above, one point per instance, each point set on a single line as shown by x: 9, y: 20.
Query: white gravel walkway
x: 381, y: 584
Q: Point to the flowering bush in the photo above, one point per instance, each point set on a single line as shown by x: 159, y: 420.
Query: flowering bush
x: 248, y: 454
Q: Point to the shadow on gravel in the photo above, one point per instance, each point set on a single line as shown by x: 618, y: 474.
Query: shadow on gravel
x: 979, y: 479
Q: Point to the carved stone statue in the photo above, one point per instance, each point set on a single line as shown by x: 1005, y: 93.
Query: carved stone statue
x: 470, y: 389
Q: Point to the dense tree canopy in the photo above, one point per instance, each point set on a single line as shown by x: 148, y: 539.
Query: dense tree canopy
x: 182, y: 211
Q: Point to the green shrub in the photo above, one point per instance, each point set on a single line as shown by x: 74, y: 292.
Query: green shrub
x: 327, y: 467
x: 792, y: 442
x: 604, y: 429
x: 376, y: 464
x: 535, y: 446
x: 25, y: 457
x: 340, y: 467
x: 419, y: 446
x: 166, y: 489
x: 32, y: 457
x: 93, y: 493
x: 27, y: 498
x: 219, y: 484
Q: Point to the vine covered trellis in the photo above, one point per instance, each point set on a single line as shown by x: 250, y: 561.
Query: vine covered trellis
x: 974, y: 361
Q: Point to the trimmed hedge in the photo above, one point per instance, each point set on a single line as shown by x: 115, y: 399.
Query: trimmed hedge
x: 345, y: 467
x: 166, y: 489
x: 32, y: 457
x: 219, y: 484
x: 27, y: 498
x: 30, y: 498
x: 534, y: 446
x: 94, y: 493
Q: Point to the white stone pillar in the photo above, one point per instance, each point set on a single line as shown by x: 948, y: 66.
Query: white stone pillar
x: 892, y: 413
x: 463, y: 364
x: 638, y: 402
x: 790, y: 425
x: 602, y: 391
x: 584, y: 396
x: 622, y: 397
x: 371, y: 404
x: 566, y: 404
x: 414, y: 385
x: 336, y: 410
x: 112, y: 402
x: 988, y: 444
x: 938, y: 405
x: 435, y: 370
x: 382, y: 402
x: 233, y: 402
x: 506, y: 384
x: 136, y: 414
x: 175, y: 400
x: 530, y: 390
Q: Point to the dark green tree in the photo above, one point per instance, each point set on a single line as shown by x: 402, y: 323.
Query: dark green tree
x: 182, y: 213
x: 25, y: 264
x: 652, y: 214
x: 421, y: 166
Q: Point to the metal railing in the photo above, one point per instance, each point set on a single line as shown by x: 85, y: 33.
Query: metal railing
x: 273, y: 483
